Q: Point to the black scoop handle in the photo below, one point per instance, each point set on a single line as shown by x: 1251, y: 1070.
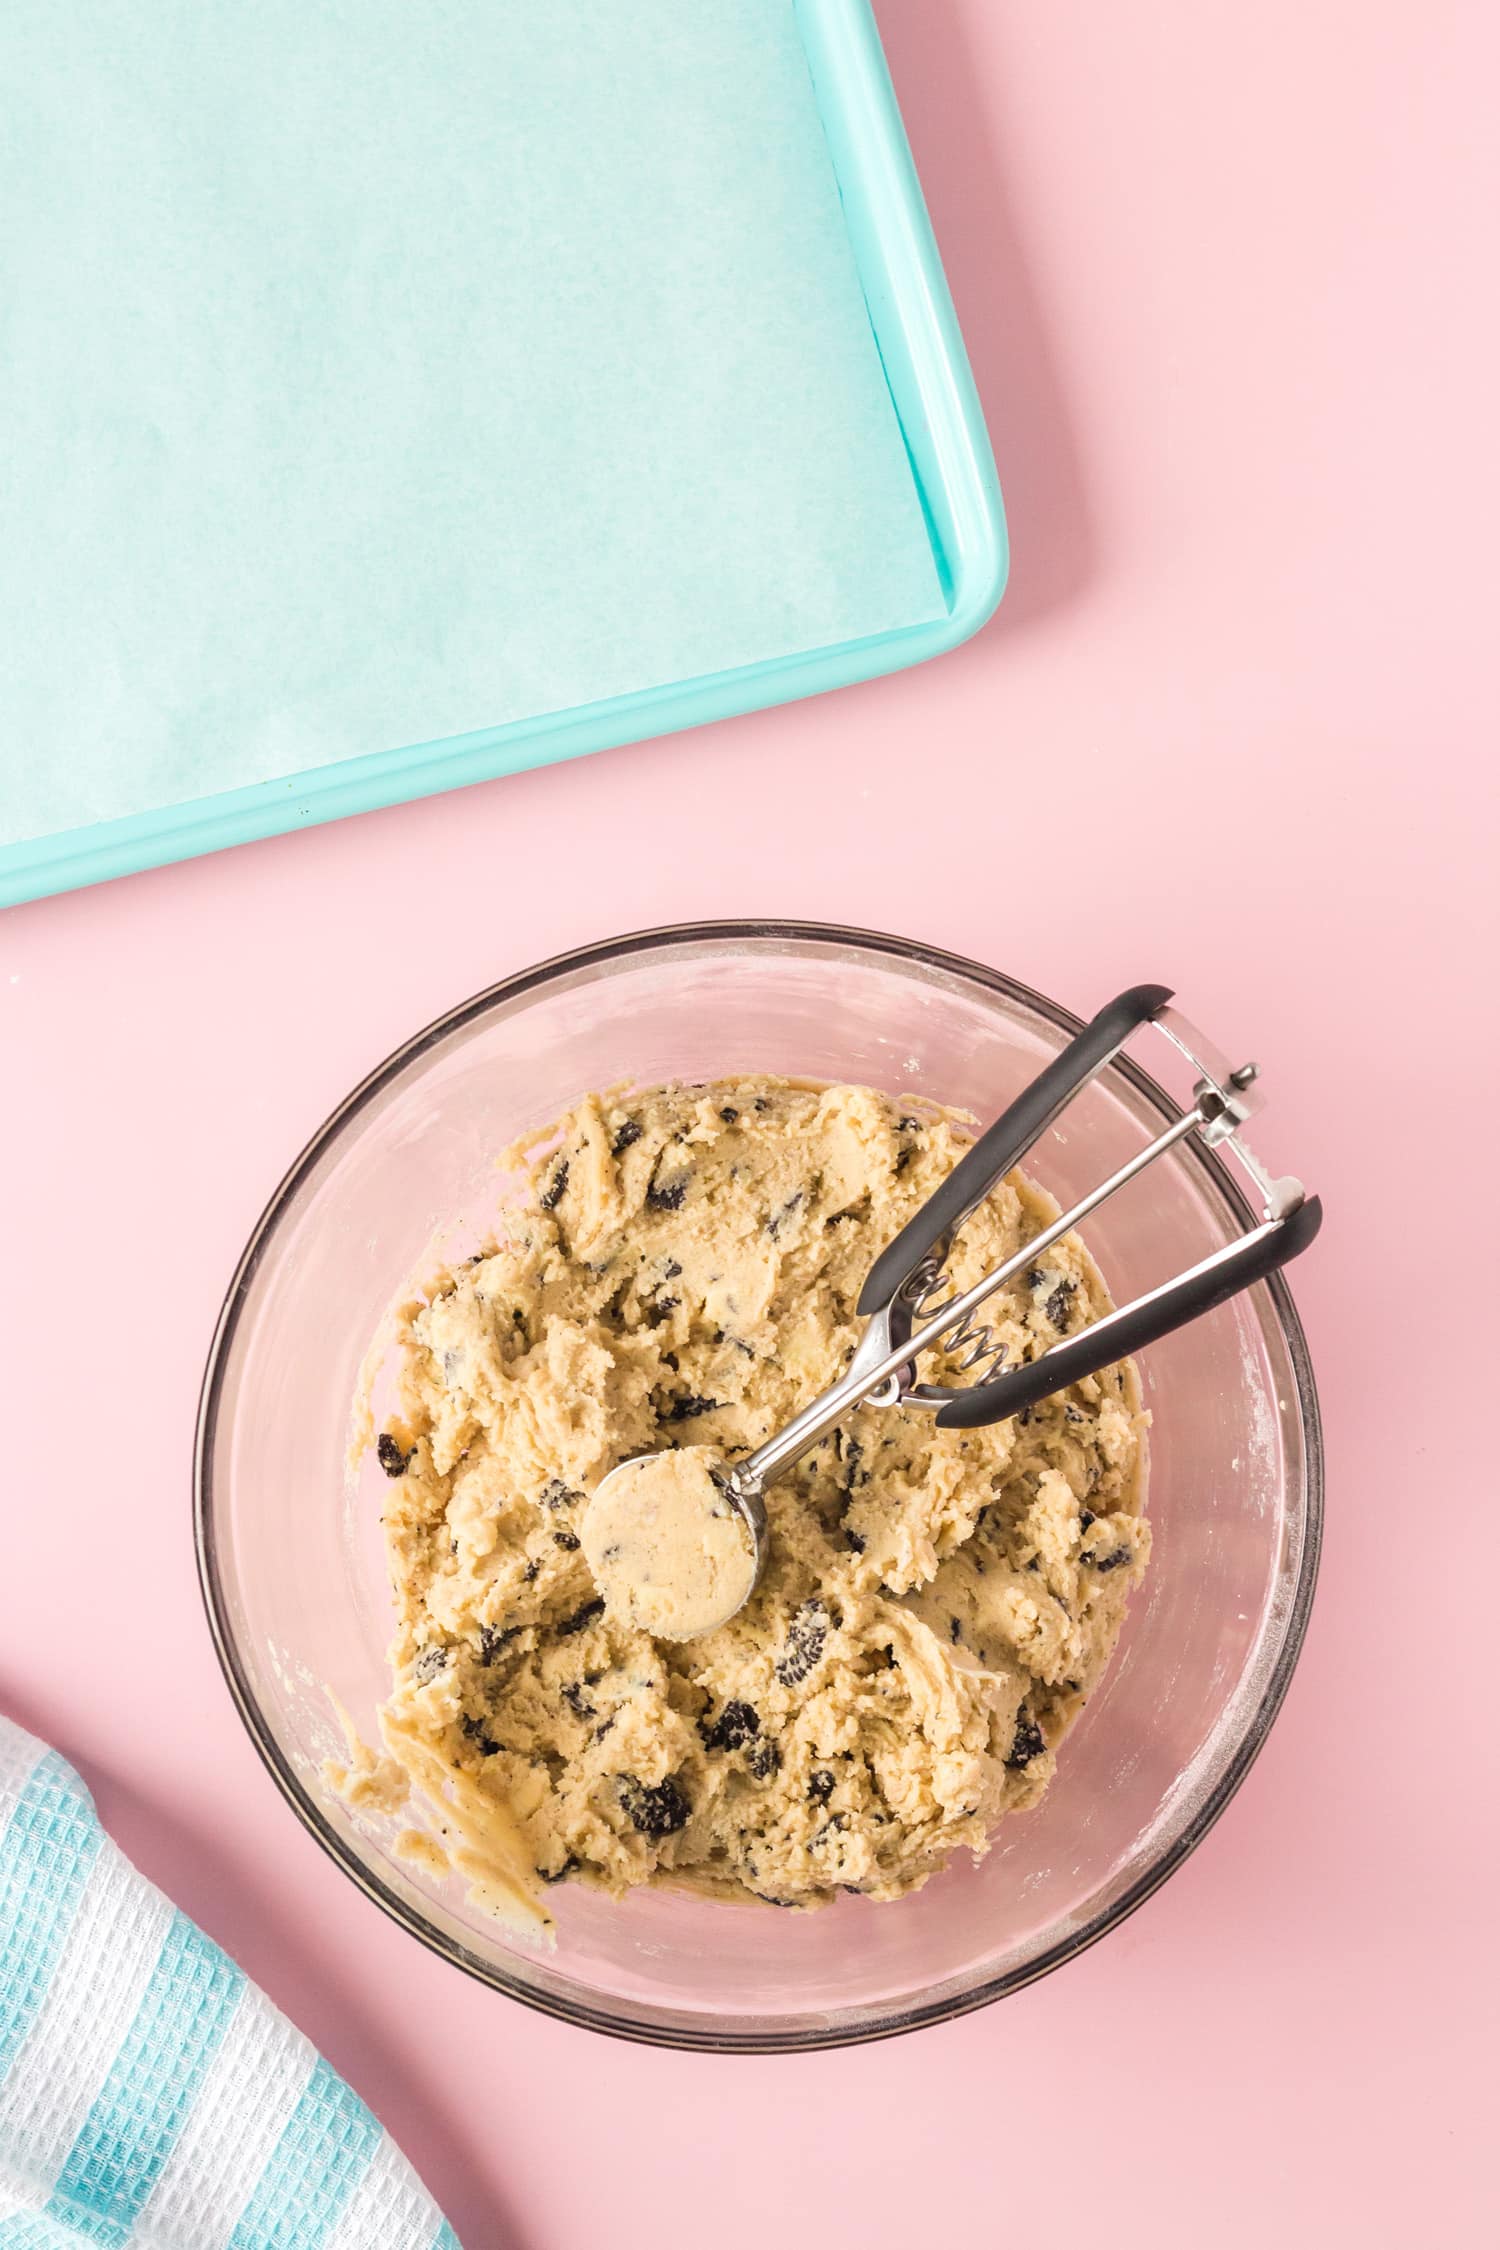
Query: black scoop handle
x: 1145, y: 1322
x: 1015, y: 1130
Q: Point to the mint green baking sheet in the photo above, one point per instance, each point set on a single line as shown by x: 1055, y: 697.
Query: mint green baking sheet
x: 400, y: 392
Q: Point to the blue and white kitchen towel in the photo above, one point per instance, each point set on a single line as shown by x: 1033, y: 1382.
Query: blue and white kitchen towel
x: 149, y: 2094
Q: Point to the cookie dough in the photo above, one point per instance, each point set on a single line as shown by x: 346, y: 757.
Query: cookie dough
x: 667, y: 1549
x: 937, y: 1604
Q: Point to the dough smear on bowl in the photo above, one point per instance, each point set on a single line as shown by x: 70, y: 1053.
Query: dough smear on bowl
x: 938, y: 1604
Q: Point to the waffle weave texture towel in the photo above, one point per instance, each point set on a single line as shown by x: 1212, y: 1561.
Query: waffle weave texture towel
x: 149, y: 2094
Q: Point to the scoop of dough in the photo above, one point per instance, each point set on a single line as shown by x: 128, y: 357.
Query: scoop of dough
x: 670, y: 1552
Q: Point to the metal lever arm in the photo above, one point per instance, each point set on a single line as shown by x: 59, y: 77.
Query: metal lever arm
x: 1146, y: 1321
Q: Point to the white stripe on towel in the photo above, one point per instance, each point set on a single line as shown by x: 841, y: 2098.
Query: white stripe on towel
x: 250, y: 2090
x: 91, y: 2002
x: 20, y: 1755
x: 389, y: 2210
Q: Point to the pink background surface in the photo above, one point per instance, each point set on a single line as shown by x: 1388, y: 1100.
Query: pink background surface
x: 1227, y: 279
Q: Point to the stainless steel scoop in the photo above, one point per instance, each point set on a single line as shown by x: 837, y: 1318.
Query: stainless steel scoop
x: 898, y: 1299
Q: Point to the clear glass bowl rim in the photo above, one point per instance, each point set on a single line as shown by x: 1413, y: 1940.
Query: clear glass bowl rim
x: 714, y: 2038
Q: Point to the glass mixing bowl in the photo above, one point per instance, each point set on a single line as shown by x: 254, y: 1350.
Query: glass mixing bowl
x: 290, y: 1551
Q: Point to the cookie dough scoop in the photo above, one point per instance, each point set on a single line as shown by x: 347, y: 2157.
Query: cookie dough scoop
x: 677, y: 1541
x: 675, y: 1547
